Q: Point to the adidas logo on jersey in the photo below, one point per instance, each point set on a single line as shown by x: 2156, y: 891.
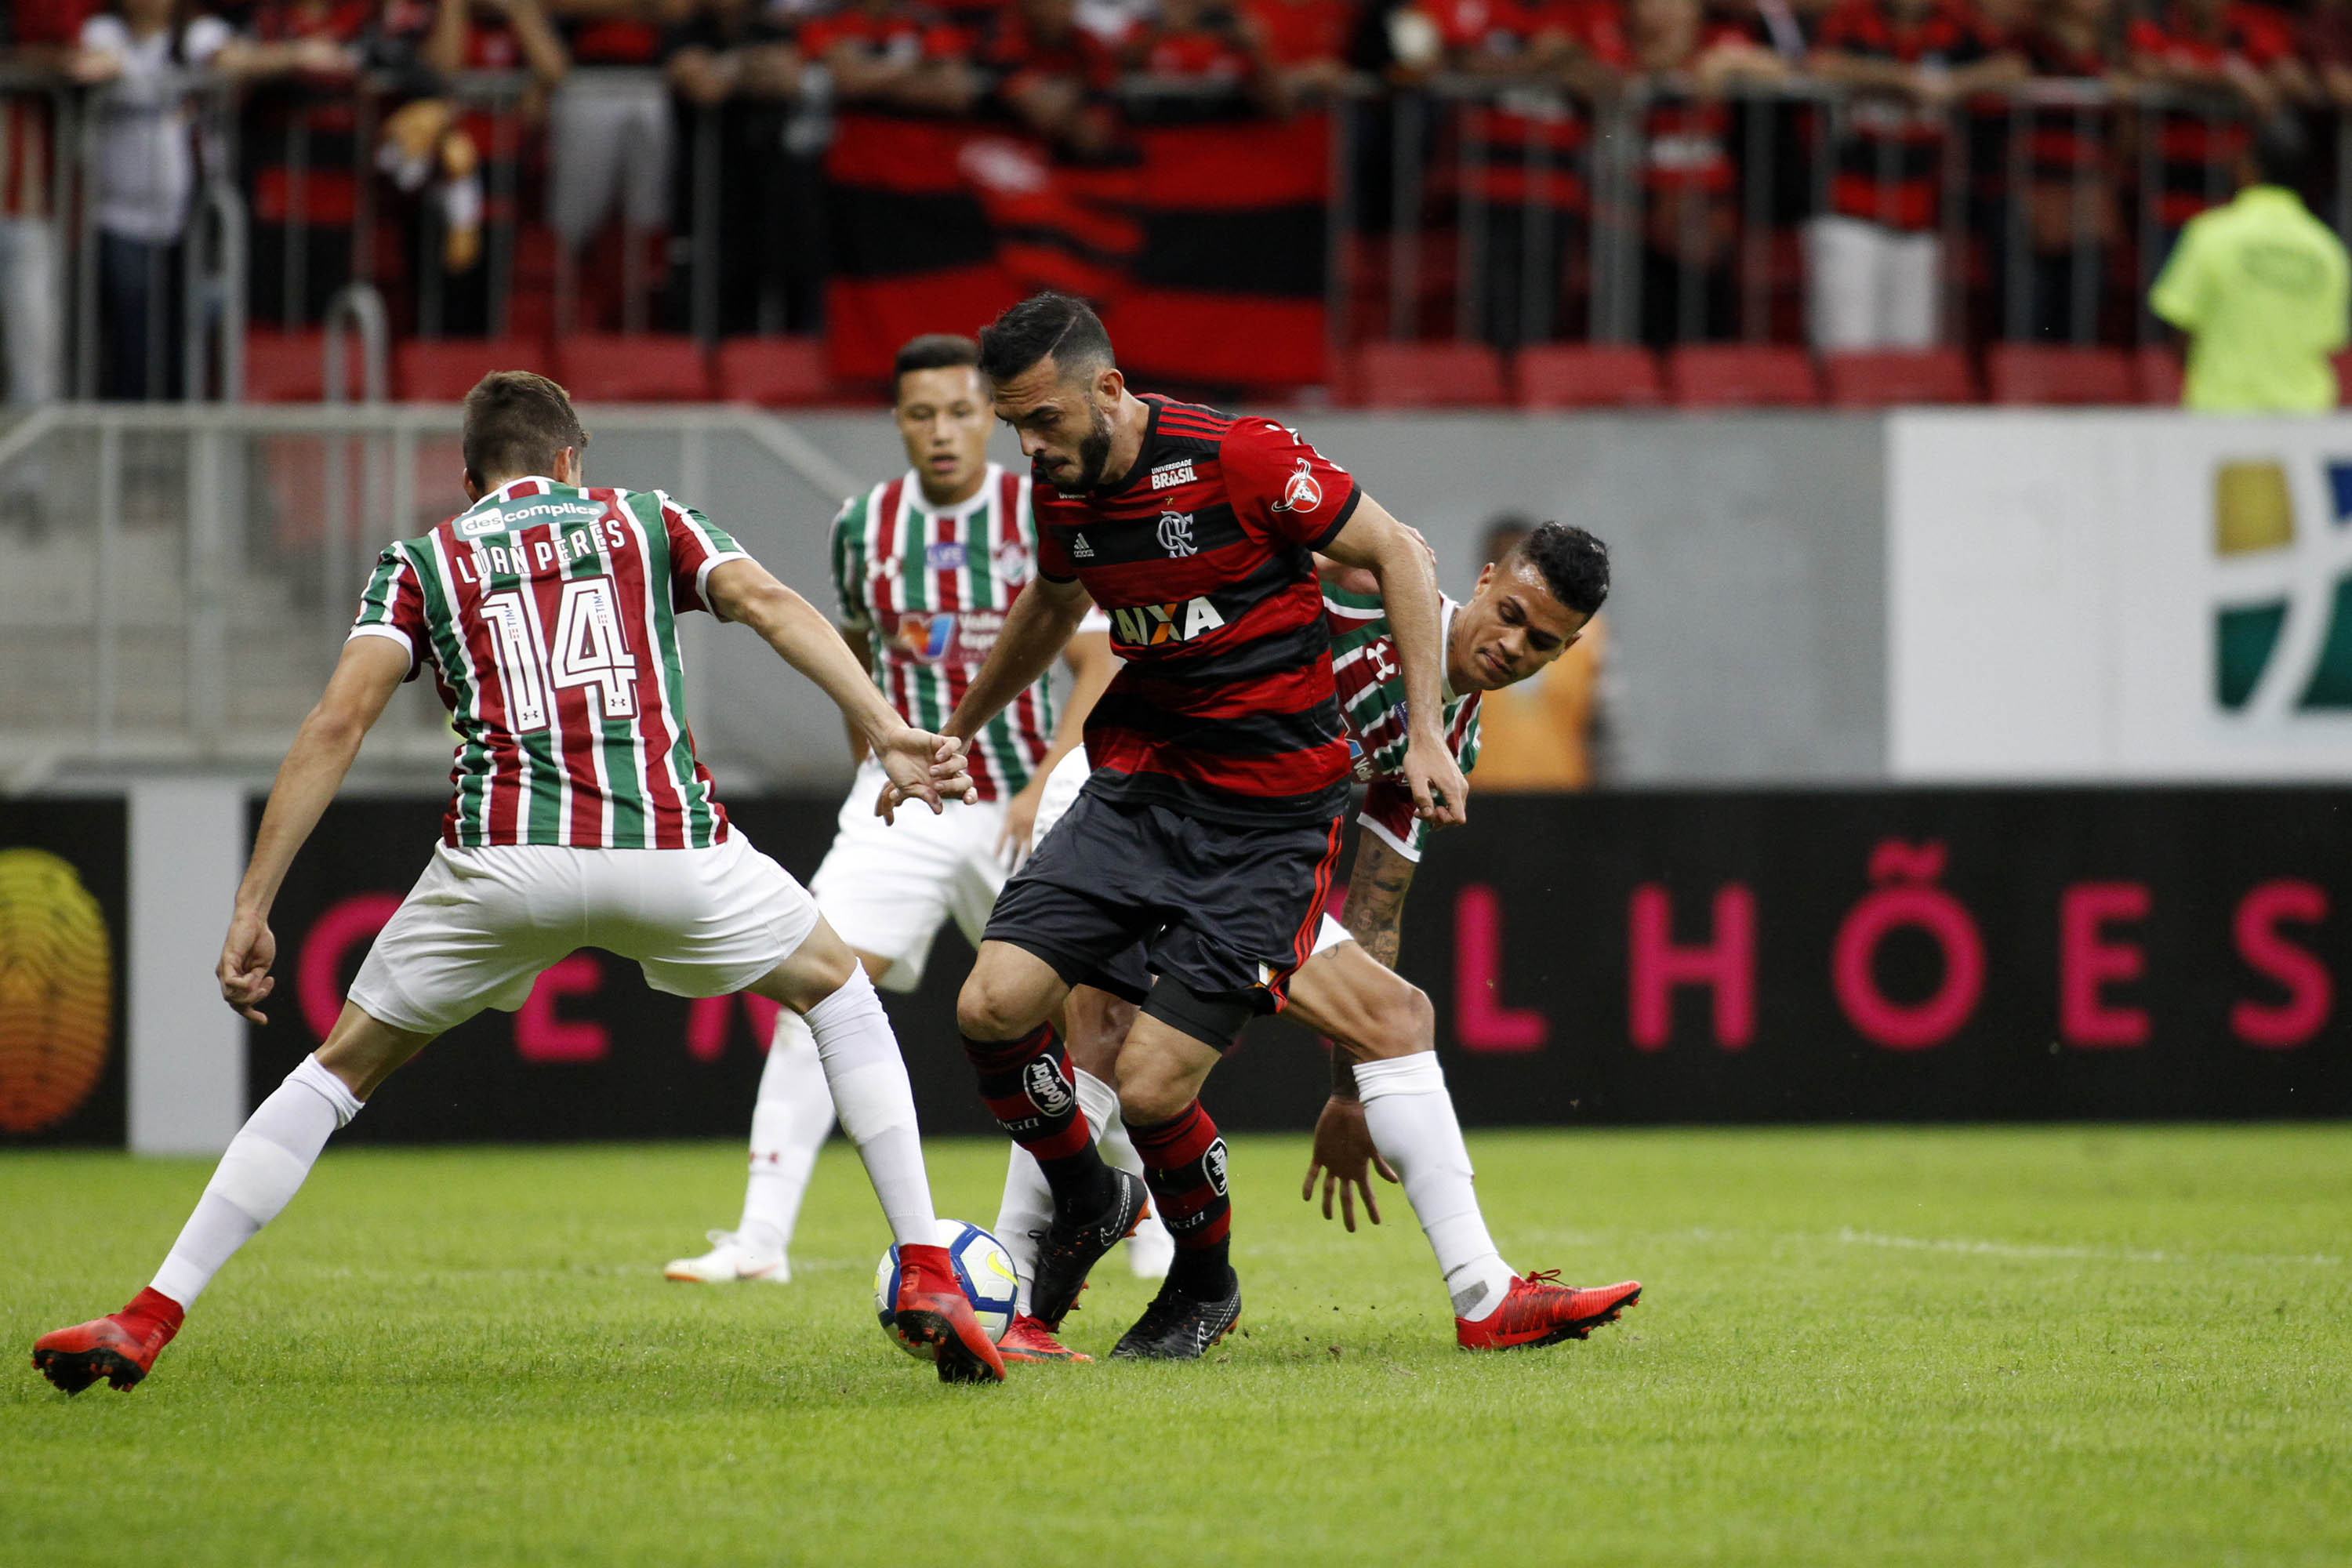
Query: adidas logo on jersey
x: 1148, y: 626
x: 1167, y: 476
x: 1079, y: 549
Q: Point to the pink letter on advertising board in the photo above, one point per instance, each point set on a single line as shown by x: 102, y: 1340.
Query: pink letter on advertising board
x: 705, y: 1024
x: 1725, y: 965
x: 540, y: 1036
x: 2088, y: 961
x: 319, y: 983
x: 1906, y: 895
x: 2310, y: 989
x: 1481, y: 1022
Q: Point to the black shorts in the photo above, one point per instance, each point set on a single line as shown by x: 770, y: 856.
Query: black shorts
x: 1120, y: 891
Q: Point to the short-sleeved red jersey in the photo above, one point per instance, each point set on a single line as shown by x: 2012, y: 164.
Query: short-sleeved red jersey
x: 1203, y: 558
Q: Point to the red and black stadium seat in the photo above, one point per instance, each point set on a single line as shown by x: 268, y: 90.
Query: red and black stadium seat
x: 1423, y: 375
x: 1886, y: 379
x: 774, y: 372
x: 643, y: 367
x: 442, y: 370
x: 1741, y: 375
x: 2059, y: 373
x: 1588, y: 376
x: 2157, y: 372
x: 285, y: 367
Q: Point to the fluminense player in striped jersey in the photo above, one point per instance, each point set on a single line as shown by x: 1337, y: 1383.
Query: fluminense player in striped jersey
x: 581, y: 817
x: 1389, y: 1096
x: 924, y: 568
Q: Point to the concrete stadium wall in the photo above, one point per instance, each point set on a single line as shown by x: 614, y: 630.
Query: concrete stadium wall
x: 1751, y: 605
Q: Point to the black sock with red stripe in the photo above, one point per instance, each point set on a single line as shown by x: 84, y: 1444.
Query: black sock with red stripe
x: 1184, y: 1165
x: 1028, y: 1087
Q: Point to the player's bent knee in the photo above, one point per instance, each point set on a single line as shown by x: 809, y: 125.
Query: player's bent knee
x: 988, y: 1009
x: 1402, y: 1025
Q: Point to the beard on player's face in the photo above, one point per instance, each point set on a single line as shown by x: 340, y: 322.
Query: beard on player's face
x: 1094, y: 452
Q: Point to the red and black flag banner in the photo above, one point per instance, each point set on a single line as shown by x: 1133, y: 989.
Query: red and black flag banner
x: 1205, y: 250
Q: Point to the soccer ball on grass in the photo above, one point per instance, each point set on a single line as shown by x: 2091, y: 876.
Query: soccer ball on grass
x: 982, y: 1267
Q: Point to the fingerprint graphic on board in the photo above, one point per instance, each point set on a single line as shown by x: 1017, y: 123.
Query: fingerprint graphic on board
x: 56, y: 990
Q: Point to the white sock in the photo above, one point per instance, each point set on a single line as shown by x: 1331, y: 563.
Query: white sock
x: 876, y: 1104
x: 1028, y: 1207
x: 1413, y: 1124
x: 788, y: 1125
x: 258, y: 1175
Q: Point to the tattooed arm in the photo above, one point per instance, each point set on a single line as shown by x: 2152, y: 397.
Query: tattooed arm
x: 1375, y: 918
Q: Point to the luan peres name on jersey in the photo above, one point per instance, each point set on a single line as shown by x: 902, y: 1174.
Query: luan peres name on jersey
x: 549, y: 616
x: 1370, y: 682
x: 1203, y: 557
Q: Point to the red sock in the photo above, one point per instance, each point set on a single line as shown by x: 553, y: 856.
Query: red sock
x: 1184, y: 1165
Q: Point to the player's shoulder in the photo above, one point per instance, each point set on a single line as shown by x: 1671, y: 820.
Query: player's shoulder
x: 1183, y: 429
x: 1345, y: 607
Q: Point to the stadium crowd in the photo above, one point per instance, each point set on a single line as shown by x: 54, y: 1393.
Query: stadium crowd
x: 1850, y: 173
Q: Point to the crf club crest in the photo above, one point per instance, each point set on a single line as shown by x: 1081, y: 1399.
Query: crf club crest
x: 1302, y: 493
x: 1176, y: 533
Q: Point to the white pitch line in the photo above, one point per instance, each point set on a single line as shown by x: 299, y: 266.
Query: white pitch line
x: 2094, y: 1254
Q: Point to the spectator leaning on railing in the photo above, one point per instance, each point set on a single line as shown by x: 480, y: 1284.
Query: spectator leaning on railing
x: 2259, y: 285
x: 1875, y: 260
x: 142, y: 52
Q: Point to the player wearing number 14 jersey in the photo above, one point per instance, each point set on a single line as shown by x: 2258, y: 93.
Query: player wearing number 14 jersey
x: 580, y: 817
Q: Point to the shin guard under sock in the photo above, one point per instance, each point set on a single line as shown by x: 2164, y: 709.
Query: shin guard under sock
x: 1028, y: 1087
x: 1184, y: 1165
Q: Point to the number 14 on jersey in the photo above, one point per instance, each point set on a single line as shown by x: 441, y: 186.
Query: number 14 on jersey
x: 589, y: 649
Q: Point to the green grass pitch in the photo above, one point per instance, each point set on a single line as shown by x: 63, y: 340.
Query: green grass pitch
x: 2062, y: 1346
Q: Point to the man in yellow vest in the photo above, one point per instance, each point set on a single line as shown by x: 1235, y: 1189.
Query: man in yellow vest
x: 2260, y: 287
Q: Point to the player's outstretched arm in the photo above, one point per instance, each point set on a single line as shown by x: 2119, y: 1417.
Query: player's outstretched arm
x: 369, y: 672
x: 1036, y: 629
x: 922, y: 766
x: 1379, y: 544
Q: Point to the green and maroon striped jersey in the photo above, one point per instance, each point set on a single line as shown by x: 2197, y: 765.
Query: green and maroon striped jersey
x: 549, y: 615
x: 1371, y: 682
x: 931, y: 589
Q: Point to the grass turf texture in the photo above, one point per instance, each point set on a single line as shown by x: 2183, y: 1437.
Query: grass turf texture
x: 2044, y: 1346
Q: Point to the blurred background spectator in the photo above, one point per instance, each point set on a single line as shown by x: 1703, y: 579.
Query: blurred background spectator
x: 2260, y: 287
x: 1844, y: 174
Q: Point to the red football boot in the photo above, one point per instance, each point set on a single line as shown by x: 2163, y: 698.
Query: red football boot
x: 933, y: 1310
x: 1540, y: 1311
x: 120, y: 1347
x: 1029, y: 1339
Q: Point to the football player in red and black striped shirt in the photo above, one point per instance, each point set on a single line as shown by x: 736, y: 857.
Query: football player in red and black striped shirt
x: 1211, y: 827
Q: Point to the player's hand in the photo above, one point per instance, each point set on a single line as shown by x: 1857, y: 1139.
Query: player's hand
x: 1441, y: 795
x: 1021, y: 821
x: 1343, y: 1151
x: 244, y: 961
x: 922, y: 766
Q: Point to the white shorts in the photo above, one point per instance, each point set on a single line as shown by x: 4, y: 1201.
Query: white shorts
x: 888, y: 889
x: 1062, y: 786
x: 480, y: 924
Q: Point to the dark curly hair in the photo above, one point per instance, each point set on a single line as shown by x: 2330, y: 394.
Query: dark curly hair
x: 1057, y: 325
x: 1574, y: 565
